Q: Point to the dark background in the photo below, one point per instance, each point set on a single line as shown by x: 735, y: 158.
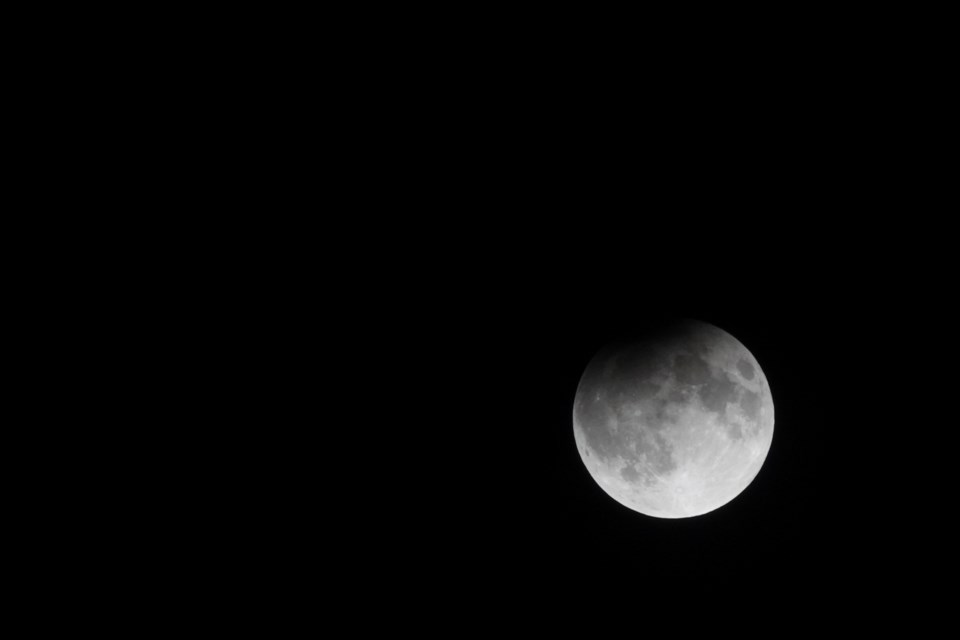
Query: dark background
x: 331, y: 308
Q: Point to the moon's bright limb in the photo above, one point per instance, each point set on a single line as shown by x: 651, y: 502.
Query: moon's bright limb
x: 677, y: 424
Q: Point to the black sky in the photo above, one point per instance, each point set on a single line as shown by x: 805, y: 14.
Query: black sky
x: 380, y: 266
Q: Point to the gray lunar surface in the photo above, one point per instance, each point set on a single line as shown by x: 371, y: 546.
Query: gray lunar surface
x: 676, y: 424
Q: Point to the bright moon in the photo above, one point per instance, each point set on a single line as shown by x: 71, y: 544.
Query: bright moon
x: 675, y: 424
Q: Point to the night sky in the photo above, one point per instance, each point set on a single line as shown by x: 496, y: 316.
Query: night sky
x: 345, y: 282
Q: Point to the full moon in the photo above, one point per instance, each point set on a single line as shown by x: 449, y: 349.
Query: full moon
x: 676, y: 423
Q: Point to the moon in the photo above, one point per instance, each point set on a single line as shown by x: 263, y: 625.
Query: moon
x: 676, y: 423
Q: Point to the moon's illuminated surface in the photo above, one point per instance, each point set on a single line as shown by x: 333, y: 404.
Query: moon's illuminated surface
x: 676, y: 424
